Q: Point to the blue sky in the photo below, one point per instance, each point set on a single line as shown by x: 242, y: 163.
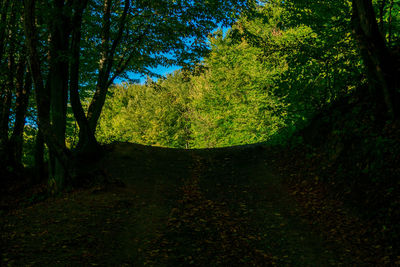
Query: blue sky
x: 161, y: 69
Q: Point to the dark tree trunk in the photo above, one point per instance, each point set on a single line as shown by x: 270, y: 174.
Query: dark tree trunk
x: 52, y: 138
x: 381, y: 64
x: 3, y: 87
x: 106, y: 62
x: 3, y: 26
x: 5, y: 115
x: 87, y: 141
x: 58, y: 85
x: 23, y: 89
x: 6, y: 94
x: 4, y: 128
x: 99, y: 97
x: 40, y: 173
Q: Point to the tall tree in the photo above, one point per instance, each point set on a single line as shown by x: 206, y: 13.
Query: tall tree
x: 53, y: 136
x: 15, y: 86
x: 7, y: 70
x: 106, y: 39
x: 147, y: 34
x: 23, y: 86
x: 382, y: 64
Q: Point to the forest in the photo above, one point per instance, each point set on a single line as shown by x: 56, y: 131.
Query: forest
x: 274, y: 142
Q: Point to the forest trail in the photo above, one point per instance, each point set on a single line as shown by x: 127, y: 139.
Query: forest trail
x: 211, y: 207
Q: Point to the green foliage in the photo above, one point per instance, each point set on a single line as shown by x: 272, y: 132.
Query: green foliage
x: 29, y: 146
x: 262, y: 81
x: 221, y: 107
x: 151, y: 114
x: 162, y: 32
x: 233, y: 101
x: 316, y: 42
x: 388, y: 17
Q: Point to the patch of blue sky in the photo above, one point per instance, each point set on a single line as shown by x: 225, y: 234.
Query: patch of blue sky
x: 161, y: 70
x: 141, y: 78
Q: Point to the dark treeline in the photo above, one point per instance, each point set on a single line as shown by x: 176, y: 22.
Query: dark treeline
x: 277, y: 66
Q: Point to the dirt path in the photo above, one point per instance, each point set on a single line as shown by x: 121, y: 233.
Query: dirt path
x: 202, y: 207
x: 235, y: 211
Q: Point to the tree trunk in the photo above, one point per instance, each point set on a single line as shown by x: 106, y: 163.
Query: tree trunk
x: 4, y: 120
x: 380, y: 62
x: 58, y: 85
x: 87, y: 141
x: 3, y: 26
x: 99, y: 97
x: 52, y: 138
x: 6, y: 95
x: 40, y: 173
x: 23, y: 89
x: 3, y: 62
x: 106, y: 61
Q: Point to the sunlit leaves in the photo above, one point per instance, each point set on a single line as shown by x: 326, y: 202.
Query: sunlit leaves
x: 152, y: 114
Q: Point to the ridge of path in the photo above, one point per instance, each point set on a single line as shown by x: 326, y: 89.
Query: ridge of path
x: 206, y: 207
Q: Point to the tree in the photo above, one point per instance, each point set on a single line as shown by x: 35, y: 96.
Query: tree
x: 152, y: 33
x: 15, y: 86
x: 381, y: 62
x: 156, y: 113
x: 106, y: 39
x: 51, y: 97
x: 234, y: 101
x: 274, y: 69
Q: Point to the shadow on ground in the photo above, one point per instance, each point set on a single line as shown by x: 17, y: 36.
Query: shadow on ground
x: 212, y: 207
